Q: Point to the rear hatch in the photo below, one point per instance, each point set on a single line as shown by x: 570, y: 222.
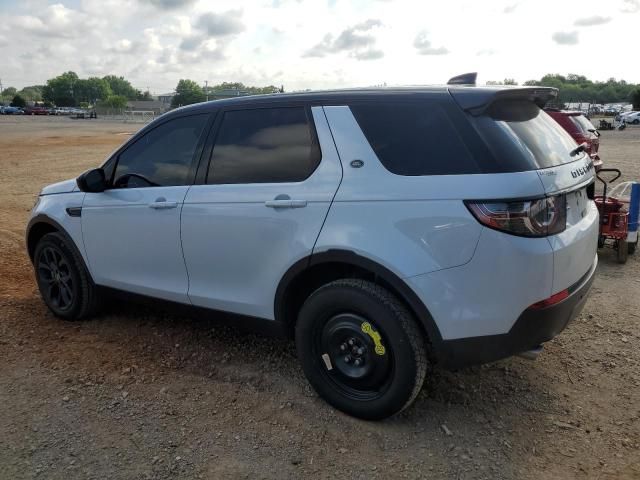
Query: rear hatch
x: 522, y: 137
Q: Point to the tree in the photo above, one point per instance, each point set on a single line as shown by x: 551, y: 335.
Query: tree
x: 91, y: 90
x: 635, y: 99
x: 122, y: 87
x: 61, y: 89
x: 187, y: 92
x: 18, y: 101
x: 114, y: 101
x: 32, y: 93
x: 9, y: 92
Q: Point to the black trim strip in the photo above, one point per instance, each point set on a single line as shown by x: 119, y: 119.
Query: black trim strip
x: 74, y: 211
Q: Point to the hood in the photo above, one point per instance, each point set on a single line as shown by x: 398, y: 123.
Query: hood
x: 66, y: 186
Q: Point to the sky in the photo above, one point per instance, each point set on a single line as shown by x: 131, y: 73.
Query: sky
x: 316, y: 44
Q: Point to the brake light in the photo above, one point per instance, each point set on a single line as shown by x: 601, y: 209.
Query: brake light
x: 528, y: 218
x: 552, y: 300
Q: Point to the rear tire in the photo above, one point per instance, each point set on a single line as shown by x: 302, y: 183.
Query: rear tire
x: 632, y: 247
x: 623, y: 251
x: 361, y: 349
x: 64, y: 283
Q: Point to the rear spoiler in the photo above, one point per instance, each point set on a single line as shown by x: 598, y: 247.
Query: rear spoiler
x: 477, y: 100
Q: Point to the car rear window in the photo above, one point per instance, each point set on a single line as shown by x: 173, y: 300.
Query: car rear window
x: 417, y: 138
x: 583, y: 123
x: 523, y: 137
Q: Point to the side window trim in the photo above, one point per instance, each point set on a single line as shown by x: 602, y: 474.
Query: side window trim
x: 203, y: 174
x: 197, y: 154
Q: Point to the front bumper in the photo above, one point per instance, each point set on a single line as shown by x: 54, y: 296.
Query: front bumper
x: 533, y: 327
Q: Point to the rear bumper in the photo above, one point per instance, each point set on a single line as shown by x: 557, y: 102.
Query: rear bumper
x: 533, y: 327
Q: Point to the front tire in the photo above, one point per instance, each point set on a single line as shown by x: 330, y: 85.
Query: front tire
x: 64, y: 283
x: 361, y: 349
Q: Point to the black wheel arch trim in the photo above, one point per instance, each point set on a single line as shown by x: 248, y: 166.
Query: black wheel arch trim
x: 349, y: 257
x: 41, y: 218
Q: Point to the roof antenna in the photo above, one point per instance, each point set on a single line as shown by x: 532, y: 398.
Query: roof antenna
x: 464, y: 79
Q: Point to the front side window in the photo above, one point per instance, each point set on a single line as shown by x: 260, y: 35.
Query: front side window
x: 162, y: 157
x: 266, y: 145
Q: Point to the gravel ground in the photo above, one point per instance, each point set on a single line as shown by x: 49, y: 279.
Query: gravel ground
x: 141, y: 393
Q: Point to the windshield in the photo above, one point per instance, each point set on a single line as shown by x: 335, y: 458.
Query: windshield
x: 524, y: 137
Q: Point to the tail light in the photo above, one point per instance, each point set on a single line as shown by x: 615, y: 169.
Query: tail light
x: 528, y: 218
x: 552, y: 300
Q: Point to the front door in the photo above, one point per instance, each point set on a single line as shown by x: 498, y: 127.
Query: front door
x: 131, y: 231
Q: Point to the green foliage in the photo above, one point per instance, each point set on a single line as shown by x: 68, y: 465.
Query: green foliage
x: 32, y: 93
x: 635, y: 99
x: 67, y: 90
x: 91, y: 90
x: 187, y: 92
x: 577, y: 88
x: 242, y: 87
x: 9, y: 92
x: 18, y: 101
x: 121, y: 87
x: 114, y: 101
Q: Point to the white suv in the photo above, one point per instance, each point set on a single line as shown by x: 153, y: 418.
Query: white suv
x: 383, y: 229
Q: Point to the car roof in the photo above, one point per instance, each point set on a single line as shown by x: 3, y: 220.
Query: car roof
x: 345, y: 96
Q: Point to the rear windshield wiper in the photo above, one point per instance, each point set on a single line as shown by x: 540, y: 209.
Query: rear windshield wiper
x: 580, y: 148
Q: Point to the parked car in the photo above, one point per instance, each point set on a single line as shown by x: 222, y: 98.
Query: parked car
x: 12, y: 111
x: 581, y: 130
x: 382, y: 229
x: 631, y: 117
x: 35, y: 110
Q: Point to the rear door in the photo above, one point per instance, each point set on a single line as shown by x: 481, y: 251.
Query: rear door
x: 271, y: 179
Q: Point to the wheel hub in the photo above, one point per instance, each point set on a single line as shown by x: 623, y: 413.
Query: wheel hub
x: 354, y: 362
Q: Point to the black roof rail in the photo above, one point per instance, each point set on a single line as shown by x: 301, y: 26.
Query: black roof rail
x: 464, y: 79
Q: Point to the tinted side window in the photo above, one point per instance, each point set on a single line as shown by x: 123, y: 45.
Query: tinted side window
x: 163, y: 157
x: 415, y: 139
x: 263, y: 146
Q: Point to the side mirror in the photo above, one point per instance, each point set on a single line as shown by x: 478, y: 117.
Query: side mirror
x: 92, y: 181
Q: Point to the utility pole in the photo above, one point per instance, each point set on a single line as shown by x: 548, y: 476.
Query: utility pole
x: 206, y: 89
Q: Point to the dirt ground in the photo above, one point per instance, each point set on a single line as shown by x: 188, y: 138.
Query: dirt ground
x: 138, y: 393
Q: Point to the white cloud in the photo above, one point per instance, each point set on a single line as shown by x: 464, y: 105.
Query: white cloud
x: 355, y: 40
x: 424, y: 47
x: 312, y: 43
x: 565, y: 38
x: 592, y: 21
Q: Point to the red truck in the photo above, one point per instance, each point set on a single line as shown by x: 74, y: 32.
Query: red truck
x: 581, y: 129
x: 36, y: 110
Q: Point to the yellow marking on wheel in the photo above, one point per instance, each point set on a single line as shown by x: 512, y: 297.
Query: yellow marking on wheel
x: 375, y: 336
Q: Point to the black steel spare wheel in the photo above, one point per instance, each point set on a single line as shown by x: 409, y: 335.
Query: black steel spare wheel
x: 357, y: 360
x: 361, y: 349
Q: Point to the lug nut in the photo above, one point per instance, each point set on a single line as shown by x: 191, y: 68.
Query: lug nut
x: 343, y: 347
x: 351, y: 342
x: 360, y: 351
x: 347, y: 359
x: 357, y: 362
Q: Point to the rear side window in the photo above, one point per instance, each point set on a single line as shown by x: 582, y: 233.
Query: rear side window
x: 263, y: 146
x: 416, y: 138
x: 583, y: 123
x: 523, y: 137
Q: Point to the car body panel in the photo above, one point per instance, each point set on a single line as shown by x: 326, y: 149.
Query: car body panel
x: 65, y: 186
x: 134, y: 247
x: 237, y: 249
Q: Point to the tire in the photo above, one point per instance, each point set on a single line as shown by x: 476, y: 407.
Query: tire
x: 385, y: 336
x: 631, y: 247
x: 64, y: 283
x: 623, y: 251
x: 636, y: 121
